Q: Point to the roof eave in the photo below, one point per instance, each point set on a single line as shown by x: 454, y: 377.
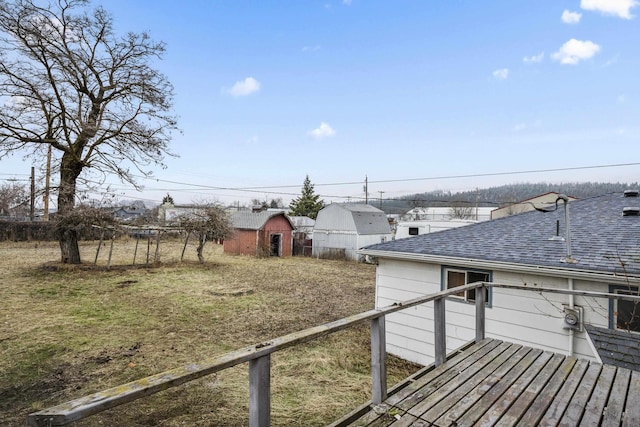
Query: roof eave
x: 567, y: 272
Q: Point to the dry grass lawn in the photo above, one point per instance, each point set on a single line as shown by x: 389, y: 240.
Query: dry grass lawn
x: 69, y: 331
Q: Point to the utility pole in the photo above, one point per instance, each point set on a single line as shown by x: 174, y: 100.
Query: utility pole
x: 380, y: 199
x: 477, y: 197
x: 366, y: 190
x: 33, y: 194
x: 47, y: 182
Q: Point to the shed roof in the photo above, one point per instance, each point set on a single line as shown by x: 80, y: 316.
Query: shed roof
x: 366, y: 219
x: 602, y: 239
x: 247, y: 220
x: 615, y: 347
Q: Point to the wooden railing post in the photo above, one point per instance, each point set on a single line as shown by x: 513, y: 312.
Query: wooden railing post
x: 439, y: 331
x: 480, y: 302
x: 260, y: 391
x: 378, y: 361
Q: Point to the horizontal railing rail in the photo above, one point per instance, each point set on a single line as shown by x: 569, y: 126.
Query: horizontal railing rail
x: 258, y: 356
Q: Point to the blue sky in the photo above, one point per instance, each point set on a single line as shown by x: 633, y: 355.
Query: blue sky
x: 270, y: 91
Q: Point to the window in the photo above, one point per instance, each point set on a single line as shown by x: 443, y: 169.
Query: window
x: 454, y: 277
x: 626, y: 314
x: 413, y: 231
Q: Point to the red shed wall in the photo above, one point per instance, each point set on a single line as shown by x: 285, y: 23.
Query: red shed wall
x: 243, y: 242
x: 279, y: 224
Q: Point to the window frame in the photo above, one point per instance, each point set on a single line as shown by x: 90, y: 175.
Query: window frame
x: 613, y: 306
x: 445, y: 269
x: 416, y: 229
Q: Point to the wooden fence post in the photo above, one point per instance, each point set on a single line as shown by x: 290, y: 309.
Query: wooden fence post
x: 480, y: 302
x: 439, y: 331
x: 378, y: 361
x: 260, y: 392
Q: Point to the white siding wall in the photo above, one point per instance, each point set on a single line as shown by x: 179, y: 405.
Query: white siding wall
x: 323, y: 242
x: 516, y: 316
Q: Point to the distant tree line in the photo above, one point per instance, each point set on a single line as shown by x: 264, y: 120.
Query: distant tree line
x: 501, y: 195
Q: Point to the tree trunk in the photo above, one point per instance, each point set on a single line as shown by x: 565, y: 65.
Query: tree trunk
x: 70, y: 169
x: 200, y: 249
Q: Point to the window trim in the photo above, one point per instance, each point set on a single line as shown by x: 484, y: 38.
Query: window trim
x: 613, y: 305
x: 443, y: 283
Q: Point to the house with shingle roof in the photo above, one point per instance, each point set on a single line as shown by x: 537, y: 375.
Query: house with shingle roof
x: 589, y: 245
x: 343, y: 228
x: 260, y: 234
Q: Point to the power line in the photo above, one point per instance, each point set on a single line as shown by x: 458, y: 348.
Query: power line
x: 442, y: 177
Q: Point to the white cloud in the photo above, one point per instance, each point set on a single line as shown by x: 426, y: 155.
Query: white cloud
x: 519, y: 127
x: 311, y: 48
x: 535, y: 58
x: 245, y: 87
x: 611, y: 61
x: 575, y: 51
x: 619, y: 8
x: 322, y: 131
x: 501, y: 74
x: 621, y: 98
x: 569, y: 17
x: 347, y: 2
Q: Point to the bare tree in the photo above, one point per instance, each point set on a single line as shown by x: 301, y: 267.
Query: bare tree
x: 207, y: 223
x: 14, y: 199
x: 68, y: 82
x: 461, y: 210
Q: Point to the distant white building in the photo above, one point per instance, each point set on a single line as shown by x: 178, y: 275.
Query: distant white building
x: 406, y: 229
x: 448, y: 212
x: 341, y: 229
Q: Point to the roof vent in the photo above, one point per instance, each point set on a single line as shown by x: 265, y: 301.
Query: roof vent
x: 631, y: 193
x: 631, y: 211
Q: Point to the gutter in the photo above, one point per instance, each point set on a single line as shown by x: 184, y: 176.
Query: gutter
x: 612, y: 278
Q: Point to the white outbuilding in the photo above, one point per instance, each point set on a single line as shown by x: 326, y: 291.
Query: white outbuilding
x: 341, y: 229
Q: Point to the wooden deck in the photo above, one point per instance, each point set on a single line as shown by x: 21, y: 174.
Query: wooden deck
x: 504, y: 384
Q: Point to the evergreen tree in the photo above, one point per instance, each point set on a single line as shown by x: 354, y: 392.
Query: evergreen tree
x: 309, y: 203
x: 167, y: 199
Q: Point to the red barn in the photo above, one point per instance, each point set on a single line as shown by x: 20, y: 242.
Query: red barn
x: 260, y: 234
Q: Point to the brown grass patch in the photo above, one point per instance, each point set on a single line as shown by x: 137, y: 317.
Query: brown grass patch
x: 67, y: 331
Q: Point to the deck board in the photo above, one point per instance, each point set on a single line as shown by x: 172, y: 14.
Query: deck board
x: 504, y: 384
x: 528, y: 395
x: 632, y: 408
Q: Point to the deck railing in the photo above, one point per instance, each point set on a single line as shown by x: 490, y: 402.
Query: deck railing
x: 259, y: 358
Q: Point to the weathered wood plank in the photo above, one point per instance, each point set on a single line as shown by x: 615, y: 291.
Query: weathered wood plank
x: 496, y: 402
x: 439, y: 331
x: 615, y: 403
x: 378, y: 361
x: 480, y: 314
x: 575, y: 409
x: 447, y: 396
x: 526, y: 398
x: 545, y: 399
x: 446, y: 373
x: 408, y: 420
x: 260, y: 392
x: 595, y: 406
x: 437, y: 375
x: 472, y: 405
x: 438, y: 389
x: 632, y: 408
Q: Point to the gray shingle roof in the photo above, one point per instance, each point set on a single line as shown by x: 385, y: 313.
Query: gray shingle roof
x: 601, y: 238
x: 253, y: 220
x: 366, y: 219
x: 615, y: 347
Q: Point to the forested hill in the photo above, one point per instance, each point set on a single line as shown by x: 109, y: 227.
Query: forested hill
x: 498, y: 196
